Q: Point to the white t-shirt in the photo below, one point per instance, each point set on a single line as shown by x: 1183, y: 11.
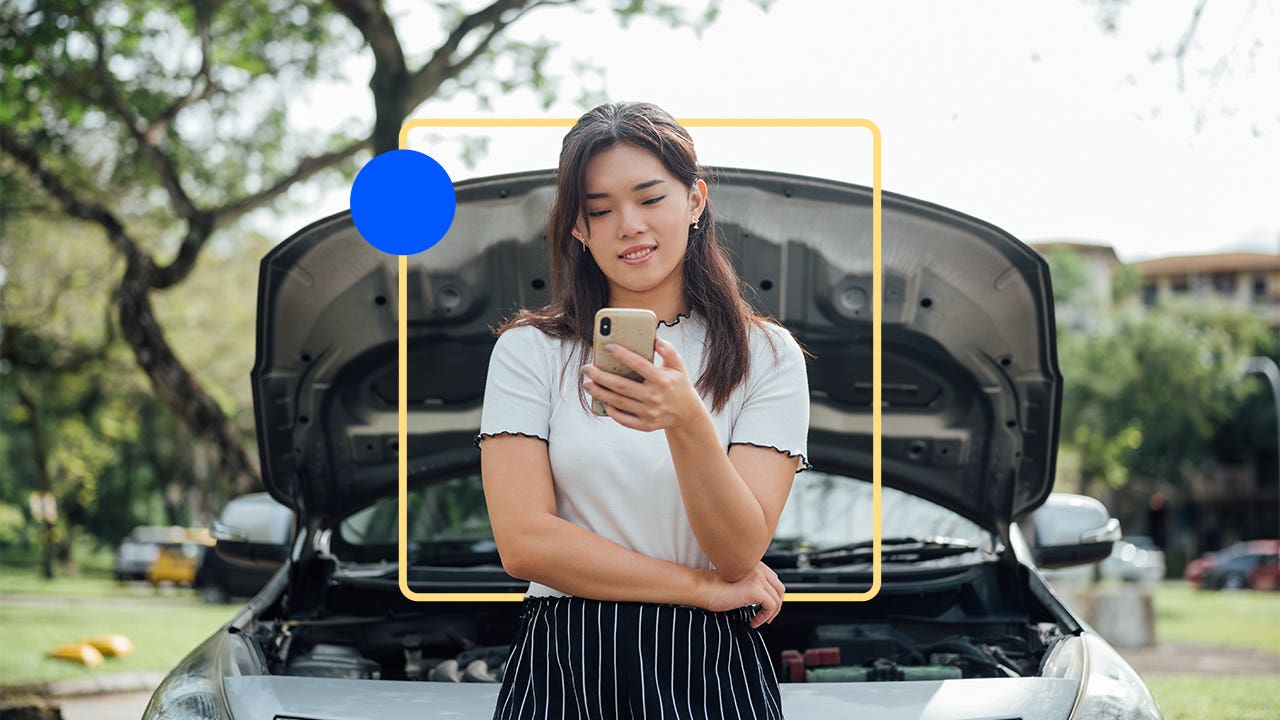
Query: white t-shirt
x: 621, y: 483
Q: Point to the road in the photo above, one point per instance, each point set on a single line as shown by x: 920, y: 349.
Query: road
x: 125, y: 706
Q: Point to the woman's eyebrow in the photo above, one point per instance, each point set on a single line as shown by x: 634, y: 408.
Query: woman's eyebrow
x: 637, y: 188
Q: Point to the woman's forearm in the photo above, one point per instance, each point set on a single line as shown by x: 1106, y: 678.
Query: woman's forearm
x: 574, y: 560
x: 725, y: 516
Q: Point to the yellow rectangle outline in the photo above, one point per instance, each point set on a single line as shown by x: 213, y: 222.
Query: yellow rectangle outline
x: 403, y: 353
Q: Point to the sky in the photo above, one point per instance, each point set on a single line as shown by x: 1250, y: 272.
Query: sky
x: 1027, y: 115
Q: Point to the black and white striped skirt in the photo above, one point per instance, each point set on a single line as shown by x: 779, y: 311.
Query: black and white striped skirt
x: 579, y: 658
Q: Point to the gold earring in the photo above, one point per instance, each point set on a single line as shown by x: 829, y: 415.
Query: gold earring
x: 695, y: 222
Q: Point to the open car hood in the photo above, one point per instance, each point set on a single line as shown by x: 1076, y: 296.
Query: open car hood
x: 971, y: 387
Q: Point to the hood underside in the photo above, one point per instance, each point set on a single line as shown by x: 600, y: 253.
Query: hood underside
x: 971, y: 390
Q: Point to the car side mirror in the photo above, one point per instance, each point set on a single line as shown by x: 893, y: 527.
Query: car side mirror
x: 262, y: 555
x: 241, y: 546
x: 1071, y: 530
x: 225, y: 533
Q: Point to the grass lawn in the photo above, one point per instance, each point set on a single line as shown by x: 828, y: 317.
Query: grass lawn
x: 1245, y: 619
x: 1225, y: 619
x: 162, y: 633
x: 26, y: 580
x: 1196, y: 697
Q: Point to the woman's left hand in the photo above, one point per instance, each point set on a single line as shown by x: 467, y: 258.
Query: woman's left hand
x: 664, y: 400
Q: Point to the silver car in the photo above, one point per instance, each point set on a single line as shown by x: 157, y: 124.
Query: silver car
x: 963, y: 625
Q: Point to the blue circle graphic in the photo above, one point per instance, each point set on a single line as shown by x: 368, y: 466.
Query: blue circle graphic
x: 403, y: 202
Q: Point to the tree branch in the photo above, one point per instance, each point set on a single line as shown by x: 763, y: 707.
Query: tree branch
x: 200, y: 223
x: 162, y: 121
x: 26, y: 156
x: 377, y: 29
x: 305, y: 169
x: 1185, y: 43
x: 27, y: 349
x: 457, y: 68
x: 427, y: 80
x: 198, y: 232
x: 176, y: 386
x: 162, y: 162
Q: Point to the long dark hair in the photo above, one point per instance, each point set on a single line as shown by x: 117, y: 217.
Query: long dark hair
x: 579, y: 288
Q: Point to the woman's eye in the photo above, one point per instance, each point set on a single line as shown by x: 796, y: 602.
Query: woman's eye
x: 597, y: 213
x: 654, y: 201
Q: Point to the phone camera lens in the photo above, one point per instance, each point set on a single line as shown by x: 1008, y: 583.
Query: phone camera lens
x: 604, y: 326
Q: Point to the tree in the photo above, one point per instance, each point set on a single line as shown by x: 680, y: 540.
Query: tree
x: 1147, y: 393
x: 162, y: 125
x: 80, y: 422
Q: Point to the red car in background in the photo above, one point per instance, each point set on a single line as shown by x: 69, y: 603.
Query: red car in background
x: 1251, y: 564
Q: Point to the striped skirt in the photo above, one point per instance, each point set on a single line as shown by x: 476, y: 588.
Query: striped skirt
x: 578, y: 658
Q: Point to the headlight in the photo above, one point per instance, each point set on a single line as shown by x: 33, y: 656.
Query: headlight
x: 1109, y: 688
x: 193, y: 690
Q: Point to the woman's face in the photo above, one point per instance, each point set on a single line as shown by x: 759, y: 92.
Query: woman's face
x: 635, y: 203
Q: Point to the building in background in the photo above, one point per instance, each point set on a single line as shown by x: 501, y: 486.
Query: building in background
x: 1243, y: 279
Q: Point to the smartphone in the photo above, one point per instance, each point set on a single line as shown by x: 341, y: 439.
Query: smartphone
x: 632, y: 328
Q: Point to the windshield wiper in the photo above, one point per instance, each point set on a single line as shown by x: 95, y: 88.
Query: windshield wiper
x: 464, y: 558
x: 900, y: 549
x: 453, y: 553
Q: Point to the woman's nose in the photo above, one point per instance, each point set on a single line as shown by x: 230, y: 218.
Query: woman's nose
x: 631, y: 222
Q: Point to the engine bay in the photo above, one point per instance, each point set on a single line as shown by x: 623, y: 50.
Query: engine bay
x: 969, y: 624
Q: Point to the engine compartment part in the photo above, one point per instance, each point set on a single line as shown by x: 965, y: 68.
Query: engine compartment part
x: 882, y: 671
x: 335, y: 661
x: 874, y: 652
x: 976, y: 622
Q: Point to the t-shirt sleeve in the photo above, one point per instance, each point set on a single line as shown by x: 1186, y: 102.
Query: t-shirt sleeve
x: 517, y: 391
x: 775, y: 410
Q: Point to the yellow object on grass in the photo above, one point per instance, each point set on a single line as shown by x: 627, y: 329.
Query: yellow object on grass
x: 111, y: 645
x: 83, y: 653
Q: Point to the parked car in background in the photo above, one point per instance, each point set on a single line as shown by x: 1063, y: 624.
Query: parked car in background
x: 249, y: 540
x: 1252, y: 564
x: 141, y: 548
x: 962, y: 625
x: 177, y: 561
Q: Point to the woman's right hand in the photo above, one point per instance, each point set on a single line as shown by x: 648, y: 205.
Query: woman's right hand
x: 761, y: 587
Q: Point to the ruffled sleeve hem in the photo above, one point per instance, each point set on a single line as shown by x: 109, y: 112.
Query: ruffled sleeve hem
x: 804, y: 462
x: 481, y: 436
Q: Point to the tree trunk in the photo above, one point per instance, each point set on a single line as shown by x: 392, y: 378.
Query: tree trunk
x: 41, y: 461
x: 175, y: 385
x: 390, y: 93
x: 67, y: 552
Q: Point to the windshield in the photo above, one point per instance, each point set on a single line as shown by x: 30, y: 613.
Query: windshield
x: 448, y: 523
x: 827, y: 511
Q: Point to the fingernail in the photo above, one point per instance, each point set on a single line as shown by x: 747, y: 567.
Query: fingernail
x: 609, y: 347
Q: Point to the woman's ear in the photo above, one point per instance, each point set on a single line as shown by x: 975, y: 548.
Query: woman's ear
x: 698, y: 197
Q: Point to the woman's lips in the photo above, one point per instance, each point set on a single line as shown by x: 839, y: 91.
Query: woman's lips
x: 640, y: 260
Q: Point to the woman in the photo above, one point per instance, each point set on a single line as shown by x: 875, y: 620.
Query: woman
x: 642, y: 548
